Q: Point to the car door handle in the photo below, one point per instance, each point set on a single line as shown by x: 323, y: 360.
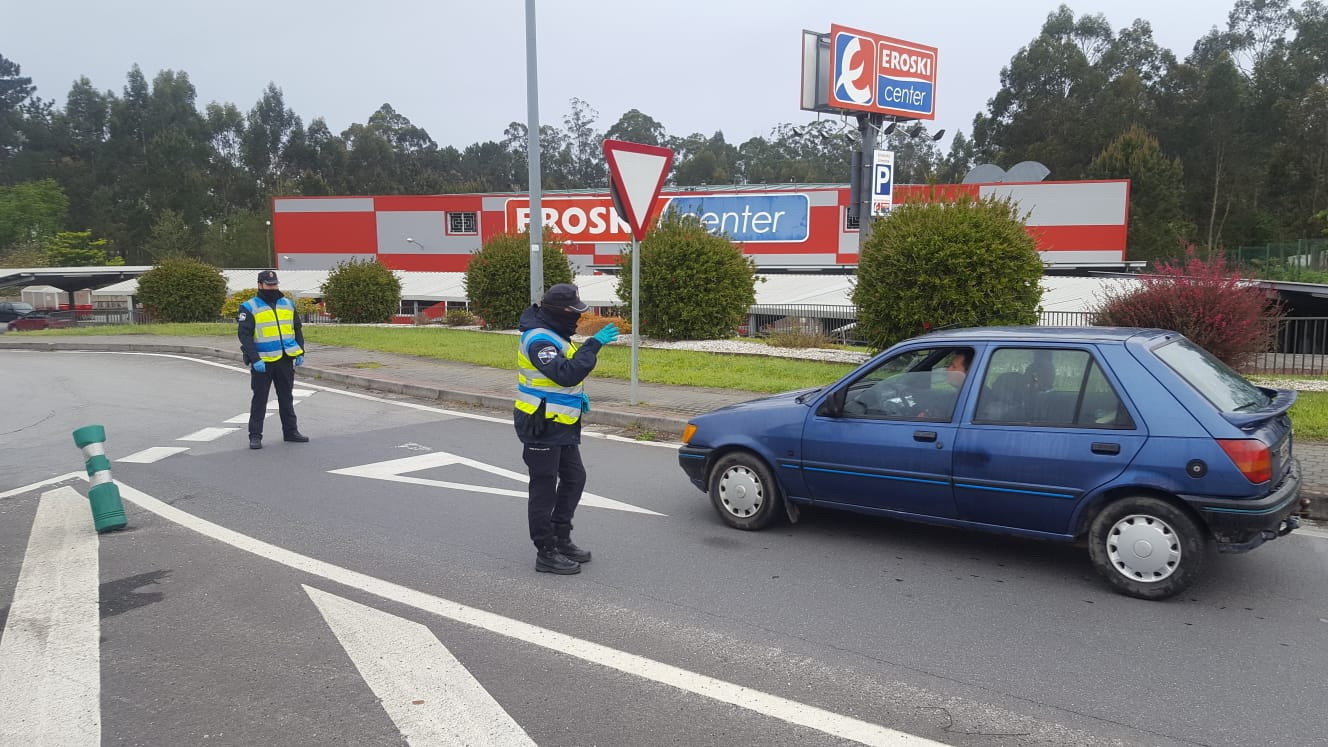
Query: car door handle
x: 1106, y: 448
x: 924, y: 436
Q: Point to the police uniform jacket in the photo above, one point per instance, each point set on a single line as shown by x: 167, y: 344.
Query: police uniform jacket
x: 536, y: 428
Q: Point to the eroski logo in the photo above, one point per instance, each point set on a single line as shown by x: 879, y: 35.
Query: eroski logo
x: 854, y: 56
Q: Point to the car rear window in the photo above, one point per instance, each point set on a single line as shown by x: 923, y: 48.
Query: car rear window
x: 21, y: 308
x: 1215, y: 380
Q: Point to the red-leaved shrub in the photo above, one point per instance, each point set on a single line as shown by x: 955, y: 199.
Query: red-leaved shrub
x: 1205, y: 301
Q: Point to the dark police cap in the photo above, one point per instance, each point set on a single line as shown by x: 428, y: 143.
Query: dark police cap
x: 267, y: 276
x: 564, y: 296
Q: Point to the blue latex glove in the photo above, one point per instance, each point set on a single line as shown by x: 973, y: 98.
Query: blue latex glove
x: 299, y: 360
x: 585, y: 402
x: 260, y: 366
x: 607, y: 334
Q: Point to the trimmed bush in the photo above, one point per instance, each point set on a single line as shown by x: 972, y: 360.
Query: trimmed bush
x: 1206, y: 301
x: 800, y: 339
x: 928, y: 265
x: 362, y: 292
x: 458, y: 318
x: 231, y: 306
x: 181, y: 289
x: 498, y: 276
x: 695, y: 285
x: 590, y: 323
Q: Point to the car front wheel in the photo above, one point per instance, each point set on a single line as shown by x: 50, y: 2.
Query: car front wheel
x: 744, y: 491
x: 1147, y: 548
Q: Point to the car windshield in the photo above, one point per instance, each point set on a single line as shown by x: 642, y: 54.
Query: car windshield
x: 21, y: 308
x: 1215, y: 380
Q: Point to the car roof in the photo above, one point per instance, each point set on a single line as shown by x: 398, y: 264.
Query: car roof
x: 1045, y: 334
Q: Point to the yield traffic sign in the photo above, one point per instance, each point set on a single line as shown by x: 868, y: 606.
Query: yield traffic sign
x: 636, y: 174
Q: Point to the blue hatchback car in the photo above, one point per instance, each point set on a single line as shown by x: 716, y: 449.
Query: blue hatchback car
x: 1137, y: 442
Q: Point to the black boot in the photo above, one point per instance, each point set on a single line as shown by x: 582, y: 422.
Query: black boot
x: 549, y: 560
x: 568, y: 548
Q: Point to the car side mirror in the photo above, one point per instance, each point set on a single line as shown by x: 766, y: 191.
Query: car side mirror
x: 833, y: 406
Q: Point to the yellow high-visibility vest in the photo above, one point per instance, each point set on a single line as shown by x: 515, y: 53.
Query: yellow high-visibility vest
x: 274, y: 329
x: 562, y: 404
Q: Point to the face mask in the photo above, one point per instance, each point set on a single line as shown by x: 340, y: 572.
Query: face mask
x: 270, y: 295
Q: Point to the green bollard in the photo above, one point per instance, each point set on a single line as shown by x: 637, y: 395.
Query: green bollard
x: 107, y: 510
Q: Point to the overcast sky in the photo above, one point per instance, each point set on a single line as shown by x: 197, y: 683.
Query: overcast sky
x: 457, y: 68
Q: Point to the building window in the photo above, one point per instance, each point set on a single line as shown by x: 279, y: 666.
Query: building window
x: 850, y: 221
x: 462, y: 223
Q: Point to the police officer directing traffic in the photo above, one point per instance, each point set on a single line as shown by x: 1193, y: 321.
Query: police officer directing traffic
x: 549, y: 403
x: 273, y: 343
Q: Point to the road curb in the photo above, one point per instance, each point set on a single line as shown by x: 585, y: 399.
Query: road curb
x: 599, y: 416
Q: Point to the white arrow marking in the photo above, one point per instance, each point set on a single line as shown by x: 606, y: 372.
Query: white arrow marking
x: 50, y: 657
x: 432, y: 698
x: 394, y: 470
x: 153, y: 454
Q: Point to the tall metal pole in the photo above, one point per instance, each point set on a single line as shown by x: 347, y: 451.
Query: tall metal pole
x: 868, y: 124
x: 636, y: 311
x: 533, y: 159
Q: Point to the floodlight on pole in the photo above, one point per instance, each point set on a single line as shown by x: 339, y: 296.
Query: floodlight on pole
x: 409, y: 240
x: 939, y: 134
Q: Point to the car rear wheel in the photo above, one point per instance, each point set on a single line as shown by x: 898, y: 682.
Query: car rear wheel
x: 1147, y: 548
x: 744, y: 491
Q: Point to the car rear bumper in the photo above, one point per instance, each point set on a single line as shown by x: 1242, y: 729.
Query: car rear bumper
x: 1242, y: 525
x: 694, y: 462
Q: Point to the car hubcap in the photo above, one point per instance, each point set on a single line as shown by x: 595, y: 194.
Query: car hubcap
x: 741, y: 492
x: 1143, y: 548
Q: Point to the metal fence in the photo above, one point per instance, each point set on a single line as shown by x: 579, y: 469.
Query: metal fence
x: 1287, y: 258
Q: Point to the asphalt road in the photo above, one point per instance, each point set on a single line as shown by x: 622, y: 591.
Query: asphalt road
x: 312, y: 594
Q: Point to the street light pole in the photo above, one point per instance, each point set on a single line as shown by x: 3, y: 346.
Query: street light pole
x: 269, y: 245
x: 536, y: 225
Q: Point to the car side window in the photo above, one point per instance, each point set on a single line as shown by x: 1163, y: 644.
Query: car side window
x: 1056, y: 388
x: 914, y: 385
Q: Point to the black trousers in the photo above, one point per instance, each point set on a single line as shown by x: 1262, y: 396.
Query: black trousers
x: 557, y: 478
x: 280, y: 375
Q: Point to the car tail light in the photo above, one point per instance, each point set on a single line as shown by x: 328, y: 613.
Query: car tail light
x: 1251, y: 457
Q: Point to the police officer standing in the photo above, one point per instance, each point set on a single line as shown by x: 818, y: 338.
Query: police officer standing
x: 273, y: 343
x: 549, y: 402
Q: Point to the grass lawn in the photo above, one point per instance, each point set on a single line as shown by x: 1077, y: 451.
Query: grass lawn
x: 753, y: 373
x: 685, y: 367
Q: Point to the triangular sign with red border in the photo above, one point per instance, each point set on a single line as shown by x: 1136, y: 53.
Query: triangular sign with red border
x: 636, y: 174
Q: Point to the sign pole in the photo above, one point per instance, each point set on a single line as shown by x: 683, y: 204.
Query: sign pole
x: 636, y: 174
x: 636, y: 311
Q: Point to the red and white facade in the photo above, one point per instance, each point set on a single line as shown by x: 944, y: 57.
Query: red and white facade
x: 1078, y: 224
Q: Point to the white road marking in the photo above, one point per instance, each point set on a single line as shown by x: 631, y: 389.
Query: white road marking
x: 43, y: 483
x: 790, y: 711
x: 207, y: 434
x: 302, y: 392
x: 394, y: 470
x: 432, y: 698
x: 243, y: 419
x: 372, y: 398
x: 50, y: 657
x: 153, y: 454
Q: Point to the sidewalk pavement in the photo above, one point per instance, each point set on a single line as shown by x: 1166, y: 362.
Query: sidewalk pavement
x: 661, y: 410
